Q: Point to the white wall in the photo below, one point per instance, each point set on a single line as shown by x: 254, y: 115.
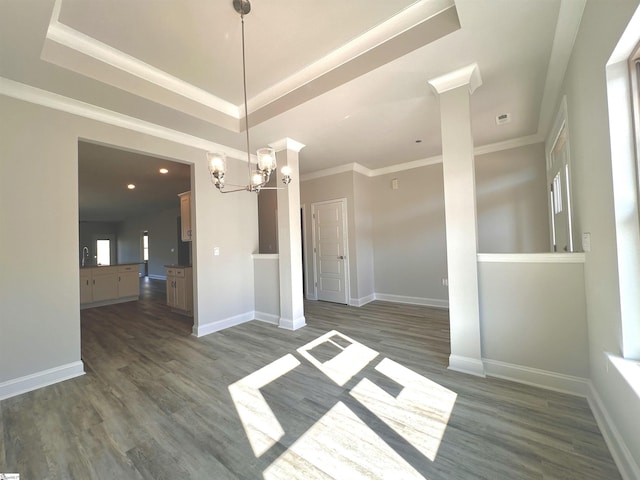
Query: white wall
x: 409, y: 241
x: 331, y: 188
x: 163, y: 239
x: 511, y: 195
x: 532, y: 314
x: 585, y: 88
x: 397, y: 237
x: 267, y: 287
x: 39, y: 303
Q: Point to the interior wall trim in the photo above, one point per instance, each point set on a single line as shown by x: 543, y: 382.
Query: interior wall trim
x: 267, y: 317
x: 535, y: 377
x: 212, y: 327
x: 427, y: 302
x: 424, y: 162
x: 628, y: 466
x: 37, y: 96
x: 577, y: 257
x: 44, y: 378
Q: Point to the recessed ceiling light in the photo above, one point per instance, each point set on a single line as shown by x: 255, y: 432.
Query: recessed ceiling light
x: 131, y: 186
x: 163, y: 171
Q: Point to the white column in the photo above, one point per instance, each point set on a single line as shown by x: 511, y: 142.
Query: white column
x: 455, y: 89
x: 289, y: 237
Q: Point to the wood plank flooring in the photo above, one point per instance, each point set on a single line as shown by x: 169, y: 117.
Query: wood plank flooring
x: 371, y: 400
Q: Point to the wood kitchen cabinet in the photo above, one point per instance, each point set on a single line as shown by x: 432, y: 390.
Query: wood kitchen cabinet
x: 128, y: 281
x: 185, y: 214
x: 180, y: 289
x: 105, y: 285
x: 86, y: 286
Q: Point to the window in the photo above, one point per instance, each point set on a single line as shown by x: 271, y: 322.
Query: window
x: 103, y: 249
x: 145, y: 246
x: 634, y: 70
x: 624, y: 113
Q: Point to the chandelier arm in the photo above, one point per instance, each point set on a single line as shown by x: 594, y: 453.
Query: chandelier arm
x: 239, y: 189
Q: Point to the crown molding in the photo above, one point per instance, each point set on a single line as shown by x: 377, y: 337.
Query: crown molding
x: 404, y: 21
x: 89, y: 46
x: 287, y: 144
x: 569, y: 18
x: 27, y: 93
x: 349, y: 167
x: 509, y: 144
x: 425, y: 162
x: 469, y: 75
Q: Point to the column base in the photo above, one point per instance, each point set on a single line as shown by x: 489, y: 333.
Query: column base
x: 468, y: 365
x: 291, y: 323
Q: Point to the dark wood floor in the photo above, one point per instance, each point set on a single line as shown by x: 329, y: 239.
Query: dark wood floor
x: 371, y: 400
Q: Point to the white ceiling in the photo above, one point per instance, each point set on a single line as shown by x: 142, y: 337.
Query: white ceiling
x: 346, y: 79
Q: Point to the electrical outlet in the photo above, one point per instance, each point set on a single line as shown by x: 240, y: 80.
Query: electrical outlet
x: 216, y: 251
x: 445, y: 282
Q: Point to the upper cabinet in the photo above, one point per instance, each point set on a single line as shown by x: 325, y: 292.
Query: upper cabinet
x: 185, y: 213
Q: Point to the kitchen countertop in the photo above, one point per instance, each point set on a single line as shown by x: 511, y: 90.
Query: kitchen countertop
x: 178, y: 266
x: 112, y: 265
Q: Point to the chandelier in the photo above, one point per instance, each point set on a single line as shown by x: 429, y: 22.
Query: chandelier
x: 266, y: 157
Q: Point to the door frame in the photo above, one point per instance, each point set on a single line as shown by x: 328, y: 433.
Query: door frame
x: 561, y: 123
x: 345, y: 240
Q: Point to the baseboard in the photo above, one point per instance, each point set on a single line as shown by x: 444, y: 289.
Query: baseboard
x: 558, y: 382
x: 470, y: 366
x: 358, y: 302
x: 311, y: 296
x: 292, y: 323
x: 628, y: 466
x: 114, y: 301
x: 207, y: 328
x: 25, y: 384
x: 427, y: 302
x: 157, y: 277
x: 267, y: 317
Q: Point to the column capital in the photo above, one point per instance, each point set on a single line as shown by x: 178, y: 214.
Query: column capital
x: 287, y: 144
x: 469, y: 75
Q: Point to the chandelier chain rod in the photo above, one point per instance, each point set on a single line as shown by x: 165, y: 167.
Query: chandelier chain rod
x: 244, y: 87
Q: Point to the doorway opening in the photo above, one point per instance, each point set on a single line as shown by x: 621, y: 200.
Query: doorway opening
x: 145, y: 252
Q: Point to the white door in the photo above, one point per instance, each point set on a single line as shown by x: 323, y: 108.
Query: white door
x: 330, y: 251
x: 560, y: 197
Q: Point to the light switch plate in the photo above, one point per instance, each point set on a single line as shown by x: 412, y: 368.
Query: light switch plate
x: 586, y: 241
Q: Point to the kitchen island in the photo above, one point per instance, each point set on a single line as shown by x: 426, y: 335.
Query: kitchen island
x: 108, y: 284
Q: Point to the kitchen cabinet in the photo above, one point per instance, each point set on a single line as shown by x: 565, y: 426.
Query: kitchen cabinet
x: 180, y: 289
x: 185, y: 216
x: 86, y: 287
x: 128, y: 281
x: 105, y: 285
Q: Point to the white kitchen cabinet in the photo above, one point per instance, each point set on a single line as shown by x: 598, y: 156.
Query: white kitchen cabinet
x: 180, y: 289
x: 185, y: 214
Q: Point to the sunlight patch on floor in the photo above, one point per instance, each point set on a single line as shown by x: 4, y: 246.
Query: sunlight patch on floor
x: 340, y: 445
x: 419, y: 413
x: 350, y: 356
x: 410, y: 407
x: 260, y: 423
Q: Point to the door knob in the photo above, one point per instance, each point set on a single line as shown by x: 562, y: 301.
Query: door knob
x: 341, y: 257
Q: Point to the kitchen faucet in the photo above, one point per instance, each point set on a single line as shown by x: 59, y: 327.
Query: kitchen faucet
x: 85, y: 254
